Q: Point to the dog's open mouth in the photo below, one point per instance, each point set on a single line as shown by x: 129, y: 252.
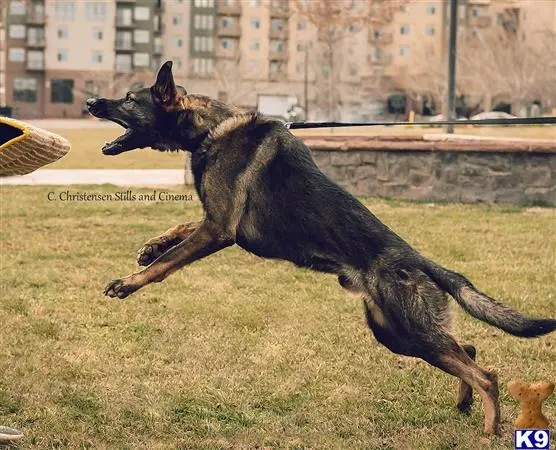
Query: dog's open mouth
x: 125, y: 142
x: 120, y: 144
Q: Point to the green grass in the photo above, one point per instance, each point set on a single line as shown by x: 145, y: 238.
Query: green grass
x: 239, y: 352
x: 86, y: 145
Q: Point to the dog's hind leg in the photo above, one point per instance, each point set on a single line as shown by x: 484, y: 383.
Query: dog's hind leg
x: 410, y: 316
x: 465, y: 393
x: 457, y: 362
x: 159, y: 245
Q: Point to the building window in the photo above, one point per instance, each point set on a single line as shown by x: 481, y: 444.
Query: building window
x: 228, y: 22
x: 62, y: 55
x: 277, y: 25
x: 61, y: 91
x: 141, y: 36
x: 17, y: 7
x: 255, y: 3
x: 177, y: 19
x: 476, y: 11
x: 301, y: 25
x: 299, y: 68
x: 63, y: 32
x: 277, y: 46
x: 177, y: 63
x: 124, y: 40
x: 25, y: 90
x: 203, y: 22
x: 124, y: 17
x: 203, y: 44
x: 96, y: 10
x: 404, y: 29
x: 275, y: 66
x: 404, y: 50
x: 353, y: 71
x: 431, y: 10
x: 202, y: 66
x: 178, y: 41
x: 35, y: 36
x: 255, y: 23
x: 141, y: 59
x: 64, y: 10
x: 17, y: 31
x: 254, y: 46
x: 429, y: 31
x: 300, y: 47
x: 142, y: 13
x: 204, y: 3
x: 98, y: 34
x: 96, y: 57
x: 228, y: 44
x: 35, y: 59
x: 123, y: 63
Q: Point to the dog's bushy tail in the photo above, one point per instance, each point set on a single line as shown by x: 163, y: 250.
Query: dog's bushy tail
x: 485, y: 308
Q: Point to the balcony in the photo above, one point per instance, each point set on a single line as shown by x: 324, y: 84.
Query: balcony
x: 35, y: 64
x: 277, y: 56
x: 280, y: 11
x: 480, y: 22
x: 158, y: 25
x: 124, y: 45
x: 381, y: 39
x: 233, y: 31
x: 277, y: 76
x: 35, y: 18
x: 278, y: 34
x: 229, y: 10
x: 124, y: 22
x: 36, y: 41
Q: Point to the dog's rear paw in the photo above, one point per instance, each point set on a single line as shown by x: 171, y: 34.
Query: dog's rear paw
x: 153, y: 249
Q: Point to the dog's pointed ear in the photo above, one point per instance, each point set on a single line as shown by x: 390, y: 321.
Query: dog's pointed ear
x: 164, y: 89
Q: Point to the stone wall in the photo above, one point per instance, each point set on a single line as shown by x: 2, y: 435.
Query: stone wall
x: 522, y: 174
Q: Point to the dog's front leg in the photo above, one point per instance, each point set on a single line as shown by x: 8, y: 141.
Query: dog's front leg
x: 159, y: 245
x: 208, y: 238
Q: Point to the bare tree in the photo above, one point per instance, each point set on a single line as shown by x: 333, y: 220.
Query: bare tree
x: 507, y: 67
x: 334, y: 22
x: 493, y: 66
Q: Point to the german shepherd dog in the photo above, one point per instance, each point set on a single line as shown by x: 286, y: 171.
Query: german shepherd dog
x: 261, y: 190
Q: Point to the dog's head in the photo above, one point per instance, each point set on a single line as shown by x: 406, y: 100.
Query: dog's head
x: 162, y: 116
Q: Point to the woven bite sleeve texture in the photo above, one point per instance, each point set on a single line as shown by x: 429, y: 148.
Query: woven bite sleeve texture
x: 25, y: 148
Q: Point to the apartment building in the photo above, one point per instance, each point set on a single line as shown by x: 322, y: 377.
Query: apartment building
x: 57, y: 53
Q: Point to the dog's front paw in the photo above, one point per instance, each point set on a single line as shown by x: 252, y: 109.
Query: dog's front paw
x: 121, y: 288
x: 153, y: 249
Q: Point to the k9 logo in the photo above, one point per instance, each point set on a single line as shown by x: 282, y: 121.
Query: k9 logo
x: 531, y: 439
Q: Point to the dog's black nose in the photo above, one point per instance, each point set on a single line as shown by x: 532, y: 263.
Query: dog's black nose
x: 91, y: 102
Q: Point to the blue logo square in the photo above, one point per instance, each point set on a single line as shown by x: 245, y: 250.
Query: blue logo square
x: 531, y: 439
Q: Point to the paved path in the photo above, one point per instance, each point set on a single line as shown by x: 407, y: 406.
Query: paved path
x: 118, y: 177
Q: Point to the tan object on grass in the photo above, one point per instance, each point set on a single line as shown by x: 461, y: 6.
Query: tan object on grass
x: 25, y: 148
x: 530, y: 397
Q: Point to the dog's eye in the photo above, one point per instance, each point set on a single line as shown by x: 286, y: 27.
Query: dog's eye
x: 129, y: 97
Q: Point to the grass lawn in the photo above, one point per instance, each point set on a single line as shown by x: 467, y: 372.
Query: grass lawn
x: 239, y: 352
x: 86, y: 145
